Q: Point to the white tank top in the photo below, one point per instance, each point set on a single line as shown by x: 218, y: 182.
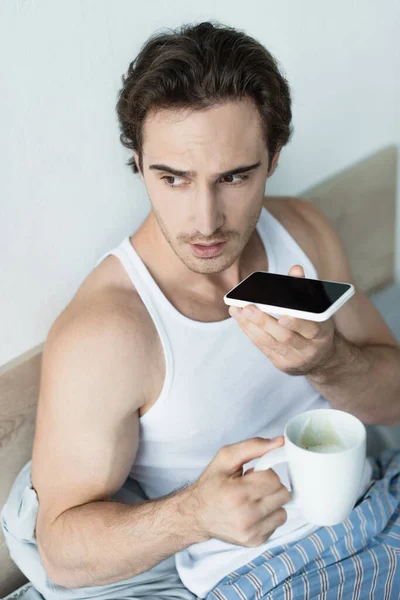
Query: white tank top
x: 219, y: 389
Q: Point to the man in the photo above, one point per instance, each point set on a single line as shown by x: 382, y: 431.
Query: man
x: 147, y: 374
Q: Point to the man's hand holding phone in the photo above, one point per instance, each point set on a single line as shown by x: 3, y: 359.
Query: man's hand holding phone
x: 295, y: 346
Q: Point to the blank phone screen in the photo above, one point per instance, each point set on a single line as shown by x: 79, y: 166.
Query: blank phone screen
x: 298, y: 293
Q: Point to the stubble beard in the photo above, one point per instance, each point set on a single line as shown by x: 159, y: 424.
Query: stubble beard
x: 210, y: 265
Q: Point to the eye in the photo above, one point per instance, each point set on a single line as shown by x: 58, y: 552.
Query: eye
x: 170, y: 181
x: 173, y: 181
x: 239, y: 180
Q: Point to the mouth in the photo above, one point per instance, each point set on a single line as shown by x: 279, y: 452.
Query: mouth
x: 208, y: 250
x: 211, y: 244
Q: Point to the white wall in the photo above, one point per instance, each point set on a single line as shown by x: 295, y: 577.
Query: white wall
x: 65, y: 194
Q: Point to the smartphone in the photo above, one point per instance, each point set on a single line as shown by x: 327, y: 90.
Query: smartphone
x: 299, y: 297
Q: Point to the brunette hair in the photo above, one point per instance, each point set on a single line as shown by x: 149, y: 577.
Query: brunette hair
x: 198, y: 66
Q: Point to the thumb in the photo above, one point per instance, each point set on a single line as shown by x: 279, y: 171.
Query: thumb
x: 231, y: 458
x: 297, y: 271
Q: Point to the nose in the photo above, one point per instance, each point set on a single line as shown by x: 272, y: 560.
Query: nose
x: 208, y: 217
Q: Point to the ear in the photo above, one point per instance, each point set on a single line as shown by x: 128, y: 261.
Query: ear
x: 274, y: 164
x: 136, y: 155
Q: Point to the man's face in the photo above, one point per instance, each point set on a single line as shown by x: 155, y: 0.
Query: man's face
x: 184, y: 155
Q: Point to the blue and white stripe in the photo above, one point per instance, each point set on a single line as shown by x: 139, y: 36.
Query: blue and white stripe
x: 355, y: 560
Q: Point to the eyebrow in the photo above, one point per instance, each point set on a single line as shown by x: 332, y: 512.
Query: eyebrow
x: 179, y: 173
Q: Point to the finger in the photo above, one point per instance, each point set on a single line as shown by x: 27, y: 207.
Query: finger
x: 297, y: 271
x: 267, y: 331
x: 252, y: 314
x: 232, y: 457
x: 272, y: 502
x: 272, y: 522
x: 307, y: 329
x: 258, y: 335
x: 265, y: 525
x: 262, y: 484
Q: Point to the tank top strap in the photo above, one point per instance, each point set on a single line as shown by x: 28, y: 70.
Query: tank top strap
x: 150, y: 295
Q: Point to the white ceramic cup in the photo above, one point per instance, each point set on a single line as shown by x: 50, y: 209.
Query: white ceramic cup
x: 325, y: 485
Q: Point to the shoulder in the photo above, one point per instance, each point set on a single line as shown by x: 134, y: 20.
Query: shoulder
x: 358, y: 320
x: 105, y: 323
x: 108, y: 297
x: 314, y: 233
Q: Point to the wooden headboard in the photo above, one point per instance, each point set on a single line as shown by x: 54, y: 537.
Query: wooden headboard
x: 360, y: 202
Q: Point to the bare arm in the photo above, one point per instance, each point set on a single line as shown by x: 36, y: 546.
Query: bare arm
x: 85, y: 443
x: 363, y: 373
x: 362, y: 380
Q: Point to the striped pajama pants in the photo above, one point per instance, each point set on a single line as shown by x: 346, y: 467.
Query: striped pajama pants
x: 357, y: 559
